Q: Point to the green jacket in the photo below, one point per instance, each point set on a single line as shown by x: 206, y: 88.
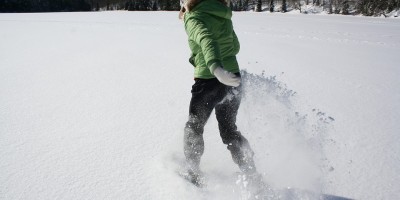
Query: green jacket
x: 212, y: 39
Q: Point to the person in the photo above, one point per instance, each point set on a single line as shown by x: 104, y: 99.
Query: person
x: 214, y: 46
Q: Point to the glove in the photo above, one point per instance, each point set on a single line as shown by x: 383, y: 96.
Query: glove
x: 227, y: 78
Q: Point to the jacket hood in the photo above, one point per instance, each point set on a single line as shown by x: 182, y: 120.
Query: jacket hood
x: 213, y: 7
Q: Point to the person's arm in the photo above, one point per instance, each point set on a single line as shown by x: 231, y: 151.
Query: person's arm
x: 198, y: 32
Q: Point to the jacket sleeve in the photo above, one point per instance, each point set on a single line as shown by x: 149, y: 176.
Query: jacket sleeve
x: 200, y: 34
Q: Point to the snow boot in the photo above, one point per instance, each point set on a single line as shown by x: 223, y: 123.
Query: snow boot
x: 242, y: 155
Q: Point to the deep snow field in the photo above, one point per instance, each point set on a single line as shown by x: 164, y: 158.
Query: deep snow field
x: 92, y: 106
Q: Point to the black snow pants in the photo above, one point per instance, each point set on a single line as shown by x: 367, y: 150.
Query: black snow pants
x: 209, y: 94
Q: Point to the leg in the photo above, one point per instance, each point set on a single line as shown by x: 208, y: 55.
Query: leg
x: 238, y: 145
x: 205, y: 95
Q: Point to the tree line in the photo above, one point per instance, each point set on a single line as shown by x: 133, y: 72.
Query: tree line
x: 43, y: 5
x: 86, y: 5
x: 346, y: 7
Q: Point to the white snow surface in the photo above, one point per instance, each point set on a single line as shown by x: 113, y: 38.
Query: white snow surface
x: 93, y: 105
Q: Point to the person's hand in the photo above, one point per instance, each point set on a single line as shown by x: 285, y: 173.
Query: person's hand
x: 227, y: 78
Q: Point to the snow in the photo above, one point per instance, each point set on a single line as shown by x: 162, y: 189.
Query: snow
x: 93, y: 105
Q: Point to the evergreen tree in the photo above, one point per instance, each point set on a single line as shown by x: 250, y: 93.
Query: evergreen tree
x: 126, y: 5
x: 271, y: 6
x: 330, y: 7
x: 284, y: 6
x: 231, y: 5
x: 240, y: 6
x: 136, y: 5
x: 258, y: 6
x: 131, y: 5
x: 146, y: 5
x: 155, y: 6
x: 346, y: 7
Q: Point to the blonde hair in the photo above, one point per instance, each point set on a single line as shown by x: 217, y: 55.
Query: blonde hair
x: 190, y: 4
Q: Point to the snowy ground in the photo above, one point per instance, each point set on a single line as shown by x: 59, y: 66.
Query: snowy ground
x: 92, y: 105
